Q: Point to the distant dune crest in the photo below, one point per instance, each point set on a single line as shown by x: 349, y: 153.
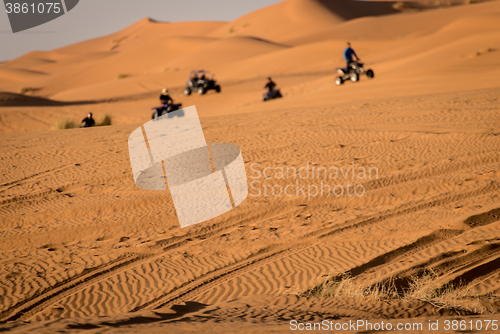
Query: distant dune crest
x: 294, y: 18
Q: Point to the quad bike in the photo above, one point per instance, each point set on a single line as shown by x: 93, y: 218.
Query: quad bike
x: 201, y: 81
x: 165, y: 109
x: 271, y: 95
x: 352, y: 73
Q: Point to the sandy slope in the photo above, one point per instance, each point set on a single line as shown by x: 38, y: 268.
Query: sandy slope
x: 296, y: 18
x: 79, y: 240
x: 438, y: 167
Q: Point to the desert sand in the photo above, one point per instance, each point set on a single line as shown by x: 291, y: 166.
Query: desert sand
x: 83, y: 249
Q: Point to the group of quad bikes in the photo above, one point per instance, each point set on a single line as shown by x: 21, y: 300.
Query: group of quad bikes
x: 201, y: 81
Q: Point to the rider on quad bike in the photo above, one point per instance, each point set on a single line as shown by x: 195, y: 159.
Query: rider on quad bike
x: 354, y: 68
x: 348, y: 55
x: 270, y: 85
x: 272, y: 93
x: 165, y: 98
x: 167, y: 105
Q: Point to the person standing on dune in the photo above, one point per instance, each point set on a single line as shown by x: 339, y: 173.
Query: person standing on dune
x: 88, y: 121
x: 348, y: 55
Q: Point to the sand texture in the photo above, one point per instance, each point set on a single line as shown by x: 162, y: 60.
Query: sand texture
x: 83, y: 248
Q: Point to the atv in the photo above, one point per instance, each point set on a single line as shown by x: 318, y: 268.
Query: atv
x: 352, y: 73
x: 165, y: 109
x: 201, y: 81
x: 271, y: 95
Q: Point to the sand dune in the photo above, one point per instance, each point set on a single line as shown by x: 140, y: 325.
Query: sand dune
x: 82, y: 248
x: 134, y: 257
x: 104, y: 68
x: 225, y: 51
x: 295, y: 18
x: 397, y: 27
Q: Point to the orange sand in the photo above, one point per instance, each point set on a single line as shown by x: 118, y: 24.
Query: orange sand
x: 80, y: 241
